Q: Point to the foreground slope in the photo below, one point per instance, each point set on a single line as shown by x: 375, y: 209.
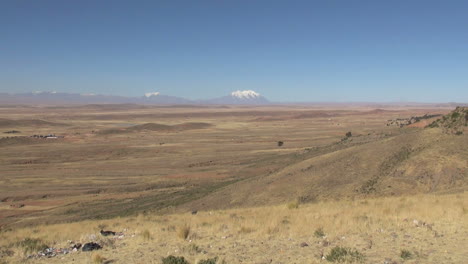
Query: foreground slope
x: 409, y: 229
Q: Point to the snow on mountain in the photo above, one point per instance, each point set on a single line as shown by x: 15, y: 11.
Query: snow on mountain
x: 247, y: 97
x: 247, y: 94
x: 147, y: 95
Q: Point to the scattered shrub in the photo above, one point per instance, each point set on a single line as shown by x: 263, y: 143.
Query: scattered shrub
x: 5, y: 252
x: 434, y: 124
x: 406, y: 254
x: 146, y: 235
x: 106, y: 242
x: 293, y: 205
x: 455, y: 115
x: 349, y: 134
x: 319, y: 232
x: 174, y: 260
x: 31, y: 245
x: 209, y: 261
x: 342, y: 254
x: 193, y: 248
x: 245, y: 230
x: 184, y: 232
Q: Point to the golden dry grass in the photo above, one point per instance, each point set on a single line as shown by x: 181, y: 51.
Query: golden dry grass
x: 96, y: 258
x: 434, y: 228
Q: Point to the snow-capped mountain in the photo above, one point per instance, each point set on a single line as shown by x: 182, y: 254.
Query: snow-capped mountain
x: 158, y: 98
x: 247, y: 97
x: 247, y: 94
x: 148, y: 95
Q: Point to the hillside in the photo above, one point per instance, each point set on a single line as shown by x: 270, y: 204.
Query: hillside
x: 418, y: 161
x: 455, y: 122
x: 393, y: 230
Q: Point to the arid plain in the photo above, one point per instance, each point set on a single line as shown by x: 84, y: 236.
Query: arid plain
x: 260, y: 178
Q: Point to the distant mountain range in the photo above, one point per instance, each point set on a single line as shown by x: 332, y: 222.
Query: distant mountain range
x: 247, y: 97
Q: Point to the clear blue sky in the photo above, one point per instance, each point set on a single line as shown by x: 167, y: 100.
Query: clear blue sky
x: 287, y: 50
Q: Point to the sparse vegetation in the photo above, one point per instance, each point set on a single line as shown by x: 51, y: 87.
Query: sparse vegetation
x: 183, y: 231
x: 454, y: 122
x: 344, y: 255
x: 97, y: 259
x: 209, y: 261
x: 345, y: 223
x: 174, y: 260
x: 146, y: 235
x: 406, y: 254
x: 245, y: 230
x: 31, y: 245
x: 237, y: 165
x: 193, y: 249
x: 293, y: 204
x: 319, y: 232
x: 369, y: 186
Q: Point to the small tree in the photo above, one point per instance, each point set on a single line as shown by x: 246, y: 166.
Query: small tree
x: 348, y: 134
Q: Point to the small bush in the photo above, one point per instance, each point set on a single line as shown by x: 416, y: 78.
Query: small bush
x: 342, y: 254
x: 106, y: 242
x: 434, y: 124
x: 146, y: 235
x: 193, y: 248
x: 319, y: 232
x: 174, y: 260
x: 349, y: 134
x: 184, y: 232
x: 31, y: 245
x: 245, y: 230
x: 406, y: 254
x: 97, y: 259
x: 455, y: 115
x: 293, y: 205
x: 209, y: 261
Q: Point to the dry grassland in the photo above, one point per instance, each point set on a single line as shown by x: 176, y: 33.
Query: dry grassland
x: 432, y: 228
x: 384, y: 195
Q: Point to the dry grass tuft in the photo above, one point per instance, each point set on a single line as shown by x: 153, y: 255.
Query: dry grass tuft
x: 146, y: 235
x: 293, y: 205
x: 97, y: 259
x: 31, y: 245
x: 184, y: 231
x: 245, y: 230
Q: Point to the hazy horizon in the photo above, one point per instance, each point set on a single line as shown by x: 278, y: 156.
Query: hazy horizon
x: 300, y: 51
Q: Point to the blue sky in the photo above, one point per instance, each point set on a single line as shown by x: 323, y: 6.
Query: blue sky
x: 286, y: 50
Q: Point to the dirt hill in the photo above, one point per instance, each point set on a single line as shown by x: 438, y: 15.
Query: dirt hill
x: 455, y: 122
x: 417, y: 161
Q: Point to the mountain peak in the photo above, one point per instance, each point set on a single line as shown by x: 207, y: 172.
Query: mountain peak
x: 246, y: 94
x: 147, y: 95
